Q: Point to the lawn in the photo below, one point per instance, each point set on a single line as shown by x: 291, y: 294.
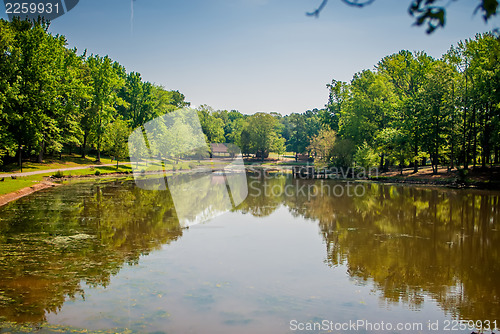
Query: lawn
x: 67, y: 161
x: 9, y: 185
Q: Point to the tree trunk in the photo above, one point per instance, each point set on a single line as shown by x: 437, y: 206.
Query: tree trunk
x: 474, y: 146
x: 85, y: 135
x: 452, y: 163
x: 20, y: 157
x: 40, y: 153
x: 382, y: 162
x: 465, y: 146
x: 99, y: 138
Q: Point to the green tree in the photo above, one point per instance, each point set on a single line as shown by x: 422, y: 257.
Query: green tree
x: 139, y: 100
x: 212, y: 126
x: 338, y: 94
x: 407, y: 72
x: 263, y: 133
x: 115, y: 139
x: 107, y: 79
x: 321, y: 146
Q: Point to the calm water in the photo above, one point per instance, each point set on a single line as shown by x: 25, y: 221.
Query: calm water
x: 111, y: 257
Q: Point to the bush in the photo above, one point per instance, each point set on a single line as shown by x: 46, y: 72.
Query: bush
x: 462, y: 174
x: 365, y: 156
x: 59, y: 174
x: 97, y: 173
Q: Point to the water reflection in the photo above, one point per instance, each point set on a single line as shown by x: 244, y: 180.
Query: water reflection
x: 410, y: 244
x: 52, y: 242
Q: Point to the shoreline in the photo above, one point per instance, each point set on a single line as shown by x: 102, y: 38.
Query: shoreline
x: 13, y: 196
x: 454, y: 184
x: 437, y: 183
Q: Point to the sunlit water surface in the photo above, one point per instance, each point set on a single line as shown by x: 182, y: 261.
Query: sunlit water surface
x: 108, y: 256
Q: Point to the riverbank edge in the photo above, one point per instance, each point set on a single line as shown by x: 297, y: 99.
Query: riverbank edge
x: 10, y: 197
x: 15, y: 195
x: 455, y: 184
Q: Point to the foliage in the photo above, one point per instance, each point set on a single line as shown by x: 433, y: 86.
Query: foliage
x: 263, y: 134
x: 406, y: 110
x: 51, y: 98
x: 366, y: 156
x: 322, y: 144
x: 115, y: 140
x: 413, y: 107
x: 426, y: 12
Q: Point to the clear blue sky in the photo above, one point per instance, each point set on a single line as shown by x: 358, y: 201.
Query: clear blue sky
x: 255, y: 55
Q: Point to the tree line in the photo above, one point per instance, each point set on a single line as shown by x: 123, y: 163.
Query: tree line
x: 51, y: 98
x: 409, y: 109
x: 412, y: 108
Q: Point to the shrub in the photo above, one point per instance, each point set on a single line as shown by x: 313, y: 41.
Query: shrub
x: 366, y: 156
x: 59, y: 174
x: 97, y: 173
x: 462, y: 174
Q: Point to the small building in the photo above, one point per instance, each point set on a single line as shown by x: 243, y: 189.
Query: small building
x: 219, y: 150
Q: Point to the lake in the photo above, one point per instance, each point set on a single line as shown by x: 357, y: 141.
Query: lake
x: 312, y: 256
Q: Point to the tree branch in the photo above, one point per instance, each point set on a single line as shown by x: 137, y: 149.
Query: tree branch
x: 354, y: 3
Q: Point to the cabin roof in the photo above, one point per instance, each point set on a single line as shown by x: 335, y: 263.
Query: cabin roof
x: 219, y: 148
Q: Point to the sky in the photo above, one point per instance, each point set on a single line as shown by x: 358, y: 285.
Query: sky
x: 255, y: 55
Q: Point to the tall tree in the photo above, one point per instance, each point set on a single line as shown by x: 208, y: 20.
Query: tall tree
x: 107, y: 78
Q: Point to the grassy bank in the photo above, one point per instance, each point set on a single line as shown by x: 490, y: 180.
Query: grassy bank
x: 9, y: 185
x: 487, y: 178
x: 67, y: 161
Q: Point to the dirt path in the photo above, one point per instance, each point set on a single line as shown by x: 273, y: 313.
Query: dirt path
x: 55, y: 170
x: 7, y: 198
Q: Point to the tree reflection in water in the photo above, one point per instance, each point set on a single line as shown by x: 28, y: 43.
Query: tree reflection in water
x: 411, y: 242
x: 408, y: 242
x: 51, y: 242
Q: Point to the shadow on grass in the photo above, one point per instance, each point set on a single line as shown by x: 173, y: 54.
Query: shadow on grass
x: 49, y: 162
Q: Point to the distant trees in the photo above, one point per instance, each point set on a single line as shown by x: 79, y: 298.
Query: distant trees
x: 51, y: 98
x: 263, y: 134
x: 412, y: 108
x: 408, y: 110
x: 115, y: 140
x: 322, y: 144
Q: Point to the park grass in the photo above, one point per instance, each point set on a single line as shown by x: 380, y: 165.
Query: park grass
x: 9, y: 185
x: 67, y: 161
